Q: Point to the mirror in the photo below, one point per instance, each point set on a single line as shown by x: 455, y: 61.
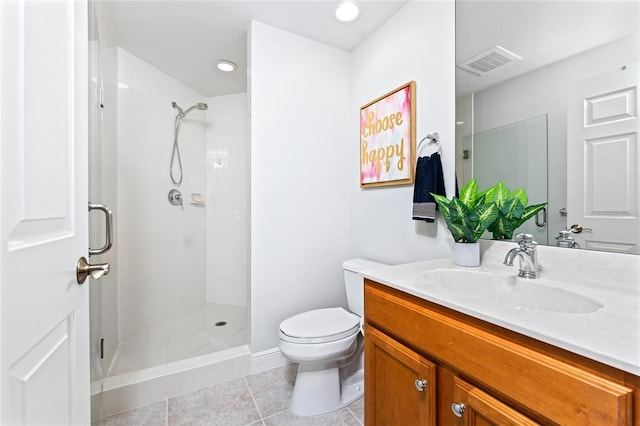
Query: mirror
x: 518, y: 61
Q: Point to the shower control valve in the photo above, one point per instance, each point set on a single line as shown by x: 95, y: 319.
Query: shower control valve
x: 175, y: 197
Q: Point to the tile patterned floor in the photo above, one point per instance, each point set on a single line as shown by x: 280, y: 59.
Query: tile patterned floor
x: 260, y: 399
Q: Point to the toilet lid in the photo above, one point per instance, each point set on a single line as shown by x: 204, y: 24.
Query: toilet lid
x: 321, y: 325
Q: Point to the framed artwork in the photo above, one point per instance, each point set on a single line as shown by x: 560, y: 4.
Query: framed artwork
x: 388, y: 138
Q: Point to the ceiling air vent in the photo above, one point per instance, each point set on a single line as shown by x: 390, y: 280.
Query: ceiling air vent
x: 489, y: 60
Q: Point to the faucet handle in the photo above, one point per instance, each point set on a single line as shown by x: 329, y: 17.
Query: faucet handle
x: 565, y: 235
x: 526, y: 240
x: 524, y: 237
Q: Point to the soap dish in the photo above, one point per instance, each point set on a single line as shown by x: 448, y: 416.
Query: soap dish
x: 196, y: 199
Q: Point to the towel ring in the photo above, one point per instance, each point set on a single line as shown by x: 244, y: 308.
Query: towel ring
x: 432, y: 138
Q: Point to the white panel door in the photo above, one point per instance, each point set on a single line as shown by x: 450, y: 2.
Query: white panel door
x: 44, y: 321
x: 603, y: 160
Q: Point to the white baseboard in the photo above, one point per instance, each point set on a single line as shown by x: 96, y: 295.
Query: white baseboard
x: 266, y: 360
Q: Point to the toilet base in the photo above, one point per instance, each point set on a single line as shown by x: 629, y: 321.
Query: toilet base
x: 323, y: 387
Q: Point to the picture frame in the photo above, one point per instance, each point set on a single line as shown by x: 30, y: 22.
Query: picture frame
x: 388, y: 138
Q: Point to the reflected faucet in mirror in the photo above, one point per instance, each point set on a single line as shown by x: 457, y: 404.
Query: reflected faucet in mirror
x: 565, y: 238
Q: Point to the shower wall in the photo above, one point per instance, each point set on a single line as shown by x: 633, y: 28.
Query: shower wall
x: 161, y: 267
x: 228, y: 199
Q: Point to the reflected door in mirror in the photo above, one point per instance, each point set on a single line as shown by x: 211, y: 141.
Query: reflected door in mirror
x: 603, y: 159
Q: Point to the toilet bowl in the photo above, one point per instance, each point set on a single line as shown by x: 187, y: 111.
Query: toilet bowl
x: 328, y: 346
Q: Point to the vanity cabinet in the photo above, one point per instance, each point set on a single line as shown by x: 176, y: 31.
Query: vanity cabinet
x: 394, y: 368
x: 500, y: 377
x: 473, y: 406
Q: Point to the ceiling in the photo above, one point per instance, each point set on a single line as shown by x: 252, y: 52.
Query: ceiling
x: 541, y: 32
x: 185, y: 38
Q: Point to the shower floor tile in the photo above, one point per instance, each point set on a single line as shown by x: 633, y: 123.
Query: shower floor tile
x: 189, y: 334
x: 259, y: 399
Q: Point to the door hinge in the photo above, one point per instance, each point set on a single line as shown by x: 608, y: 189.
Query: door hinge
x: 101, y: 97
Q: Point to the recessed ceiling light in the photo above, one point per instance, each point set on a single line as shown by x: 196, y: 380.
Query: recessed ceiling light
x: 226, y: 66
x: 347, y: 11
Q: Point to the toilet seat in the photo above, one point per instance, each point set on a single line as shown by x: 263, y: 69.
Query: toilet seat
x: 320, y: 326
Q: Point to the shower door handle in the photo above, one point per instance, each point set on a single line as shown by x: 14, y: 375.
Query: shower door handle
x: 109, y: 229
x: 542, y: 224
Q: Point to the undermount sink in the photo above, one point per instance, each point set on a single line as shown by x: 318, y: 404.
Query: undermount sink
x: 511, y: 291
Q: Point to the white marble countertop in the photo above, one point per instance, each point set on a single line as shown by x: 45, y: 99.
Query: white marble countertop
x: 610, y: 335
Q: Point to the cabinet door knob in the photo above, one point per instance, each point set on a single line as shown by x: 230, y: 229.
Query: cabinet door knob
x: 458, y: 409
x: 421, y: 384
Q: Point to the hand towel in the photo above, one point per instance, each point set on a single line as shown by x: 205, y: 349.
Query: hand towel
x: 429, y: 178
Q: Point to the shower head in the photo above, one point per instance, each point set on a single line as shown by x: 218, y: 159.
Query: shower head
x: 200, y: 106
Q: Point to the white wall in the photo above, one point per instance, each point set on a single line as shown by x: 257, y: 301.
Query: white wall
x: 227, y: 199
x: 308, y: 212
x: 300, y: 177
x: 162, y: 248
x: 416, y: 44
x: 545, y: 91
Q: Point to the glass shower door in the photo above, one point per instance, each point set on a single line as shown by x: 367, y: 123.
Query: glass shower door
x: 516, y: 154
x: 96, y: 220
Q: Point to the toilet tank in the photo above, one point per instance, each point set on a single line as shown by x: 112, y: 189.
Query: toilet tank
x: 354, y: 283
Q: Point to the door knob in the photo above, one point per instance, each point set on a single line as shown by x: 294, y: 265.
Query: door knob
x: 421, y: 384
x: 576, y: 228
x: 458, y: 409
x: 83, y: 270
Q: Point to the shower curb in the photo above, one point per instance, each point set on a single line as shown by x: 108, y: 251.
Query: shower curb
x: 133, y: 390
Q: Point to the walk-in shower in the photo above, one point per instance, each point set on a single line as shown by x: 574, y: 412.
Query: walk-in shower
x: 176, y: 302
x: 175, y: 152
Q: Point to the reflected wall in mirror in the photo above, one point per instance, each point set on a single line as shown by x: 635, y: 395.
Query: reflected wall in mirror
x: 573, y: 63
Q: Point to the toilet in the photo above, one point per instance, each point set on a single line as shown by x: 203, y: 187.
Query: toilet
x: 328, y: 346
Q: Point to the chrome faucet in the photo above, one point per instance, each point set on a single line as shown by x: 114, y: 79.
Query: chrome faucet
x: 564, y: 239
x: 526, y: 250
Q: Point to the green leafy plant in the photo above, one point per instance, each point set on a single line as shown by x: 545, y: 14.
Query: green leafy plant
x: 512, y: 209
x: 468, y: 216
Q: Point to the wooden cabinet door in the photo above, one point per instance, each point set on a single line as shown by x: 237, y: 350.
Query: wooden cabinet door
x: 477, y: 408
x: 400, y: 384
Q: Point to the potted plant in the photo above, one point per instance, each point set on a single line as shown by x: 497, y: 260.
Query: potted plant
x: 467, y: 217
x: 512, y: 209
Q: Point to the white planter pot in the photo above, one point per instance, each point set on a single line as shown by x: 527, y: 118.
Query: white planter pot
x: 466, y: 254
